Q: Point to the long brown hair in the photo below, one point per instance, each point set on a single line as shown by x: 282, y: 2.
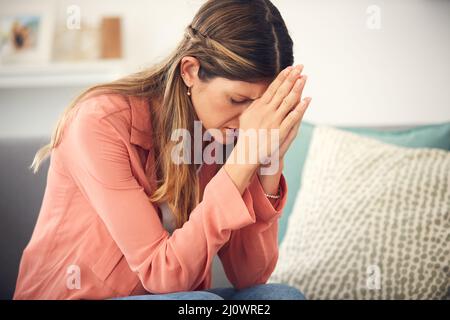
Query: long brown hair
x: 234, y: 39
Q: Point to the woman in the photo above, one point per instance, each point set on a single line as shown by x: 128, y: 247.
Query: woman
x: 121, y: 218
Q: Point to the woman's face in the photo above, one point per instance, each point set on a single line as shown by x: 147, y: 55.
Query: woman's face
x: 219, y: 102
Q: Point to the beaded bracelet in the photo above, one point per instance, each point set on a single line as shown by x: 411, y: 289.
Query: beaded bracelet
x: 274, y: 196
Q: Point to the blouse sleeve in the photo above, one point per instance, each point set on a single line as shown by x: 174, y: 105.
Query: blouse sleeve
x: 251, y: 254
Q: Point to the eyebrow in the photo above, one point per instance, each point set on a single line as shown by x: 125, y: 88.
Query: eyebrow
x: 244, y: 96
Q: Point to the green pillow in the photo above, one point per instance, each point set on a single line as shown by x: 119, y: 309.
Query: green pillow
x: 429, y: 136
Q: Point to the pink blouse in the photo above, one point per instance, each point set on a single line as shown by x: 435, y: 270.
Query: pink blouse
x: 98, y: 236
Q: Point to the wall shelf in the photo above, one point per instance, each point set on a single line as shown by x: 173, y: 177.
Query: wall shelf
x: 60, y: 74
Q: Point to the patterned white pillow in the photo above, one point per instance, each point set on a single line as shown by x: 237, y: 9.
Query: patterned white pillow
x: 371, y: 221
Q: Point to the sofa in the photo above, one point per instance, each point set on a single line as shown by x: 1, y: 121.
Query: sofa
x: 21, y: 191
x: 21, y: 194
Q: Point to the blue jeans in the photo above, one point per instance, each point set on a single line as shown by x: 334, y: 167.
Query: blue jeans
x: 268, y: 291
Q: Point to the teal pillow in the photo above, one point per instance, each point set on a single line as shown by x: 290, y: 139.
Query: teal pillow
x: 429, y: 136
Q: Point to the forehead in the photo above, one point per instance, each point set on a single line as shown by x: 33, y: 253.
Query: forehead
x: 251, y: 90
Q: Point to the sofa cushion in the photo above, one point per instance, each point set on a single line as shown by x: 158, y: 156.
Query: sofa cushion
x: 372, y: 221
x: 428, y: 136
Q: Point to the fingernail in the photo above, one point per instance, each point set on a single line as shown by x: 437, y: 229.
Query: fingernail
x: 288, y: 70
x: 295, y: 73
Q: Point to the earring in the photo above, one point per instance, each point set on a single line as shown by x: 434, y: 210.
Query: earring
x: 189, y: 89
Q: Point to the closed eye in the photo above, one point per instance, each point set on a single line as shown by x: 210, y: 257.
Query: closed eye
x: 237, y: 102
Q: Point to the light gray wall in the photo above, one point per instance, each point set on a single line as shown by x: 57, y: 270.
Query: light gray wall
x: 398, y: 74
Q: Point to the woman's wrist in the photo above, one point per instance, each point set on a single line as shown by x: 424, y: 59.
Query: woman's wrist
x: 240, y: 174
x: 271, y: 183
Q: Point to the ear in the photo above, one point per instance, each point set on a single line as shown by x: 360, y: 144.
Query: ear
x: 189, y: 67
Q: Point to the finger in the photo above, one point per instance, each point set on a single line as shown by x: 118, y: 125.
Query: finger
x: 286, y: 87
x: 288, y: 140
x: 294, y: 116
x: 292, y: 99
x: 290, y: 137
x: 304, y: 79
x: 293, y: 133
x: 270, y: 91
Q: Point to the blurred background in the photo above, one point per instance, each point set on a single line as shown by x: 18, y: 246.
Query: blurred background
x: 369, y: 64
